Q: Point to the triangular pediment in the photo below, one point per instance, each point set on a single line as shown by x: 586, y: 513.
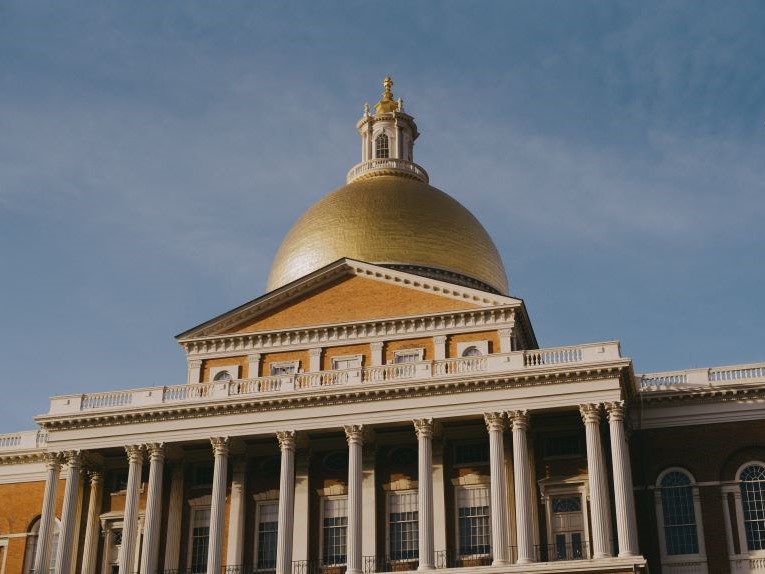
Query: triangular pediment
x: 347, y: 291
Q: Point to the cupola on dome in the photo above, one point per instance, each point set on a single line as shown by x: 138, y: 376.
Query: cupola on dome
x: 387, y: 214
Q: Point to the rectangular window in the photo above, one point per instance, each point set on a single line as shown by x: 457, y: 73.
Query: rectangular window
x: 476, y: 453
x: 268, y: 522
x: 200, y: 540
x: 403, y: 522
x: 341, y: 363
x: 287, y: 368
x: 473, y: 521
x: 563, y: 446
x: 408, y: 355
x: 334, y: 531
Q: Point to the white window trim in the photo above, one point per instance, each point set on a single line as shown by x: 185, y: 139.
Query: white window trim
x: 357, y: 358
x: 578, y: 486
x: 666, y: 560
x: 196, y: 504
x: 321, y: 530
x: 387, y: 522
x: 483, y: 486
x: 232, y: 370
x: 735, y: 489
x: 482, y: 346
x: 258, y: 505
x: 280, y: 364
x: 420, y: 351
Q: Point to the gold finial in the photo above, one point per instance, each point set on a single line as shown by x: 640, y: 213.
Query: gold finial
x: 386, y: 103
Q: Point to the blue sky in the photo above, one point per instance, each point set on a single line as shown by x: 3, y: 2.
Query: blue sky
x: 153, y: 155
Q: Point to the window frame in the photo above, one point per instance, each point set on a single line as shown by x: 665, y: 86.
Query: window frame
x: 481, y: 346
x: 256, y: 543
x: 388, y: 495
x: 419, y: 351
x: 668, y: 559
x: 283, y: 364
x: 735, y: 489
x: 33, y: 537
x: 322, y: 501
x: 574, y: 487
x: 378, y: 137
x: 232, y: 370
x: 196, y: 505
x: 467, y: 487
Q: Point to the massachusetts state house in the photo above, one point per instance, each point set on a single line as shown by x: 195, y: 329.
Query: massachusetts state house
x: 385, y: 406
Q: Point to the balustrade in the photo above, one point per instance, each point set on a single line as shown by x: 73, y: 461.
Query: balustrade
x: 400, y: 165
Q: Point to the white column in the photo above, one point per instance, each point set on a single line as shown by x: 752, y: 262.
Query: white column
x: 424, y: 430
x: 149, y: 557
x: 130, y: 528
x: 439, y: 347
x: 369, y: 497
x: 220, y: 452
x: 596, y: 470
x: 626, y: 523
x: 253, y: 365
x: 286, y: 502
x: 522, y: 481
x: 194, y: 371
x: 66, y: 538
x: 108, y: 545
x: 377, y: 353
x: 300, y: 523
x: 495, y: 424
x: 48, y: 515
x: 93, y: 525
x: 314, y: 359
x: 174, y: 515
x: 505, y: 340
x: 439, y: 497
x: 236, y: 516
x: 355, y: 436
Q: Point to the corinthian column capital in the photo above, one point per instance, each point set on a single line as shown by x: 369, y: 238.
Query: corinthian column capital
x: 52, y: 460
x: 423, y: 428
x: 354, y: 433
x: 494, y: 421
x: 615, y: 411
x: 519, y: 419
x: 134, y: 452
x: 590, y: 413
x: 156, y: 451
x: 286, y: 439
x: 219, y: 445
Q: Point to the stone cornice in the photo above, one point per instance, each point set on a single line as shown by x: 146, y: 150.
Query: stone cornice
x: 360, y: 331
x: 700, y: 395
x: 23, y: 457
x: 342, y: 395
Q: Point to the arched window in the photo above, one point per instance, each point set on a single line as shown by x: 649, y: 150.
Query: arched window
x: 31, y: 547
x: 680, y: 533
x: 471, y: 351
x: 223, y: 376
x: 752, y: 479
x: 382, y: 147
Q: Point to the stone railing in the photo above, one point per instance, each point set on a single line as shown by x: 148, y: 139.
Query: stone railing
x: 517, y: 361
x: 708, y: 377
x: 406, y: 168
x: 23, y: 440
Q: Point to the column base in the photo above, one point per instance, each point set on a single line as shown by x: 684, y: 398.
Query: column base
x: 601, y: 555
x: 353, y: 571
x: 524, y: 561
x: 425, y: 567
x: 628, y: 554
x: 501, y: 563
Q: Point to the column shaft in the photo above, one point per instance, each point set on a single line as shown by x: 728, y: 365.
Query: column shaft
x: 286, y: 502
x: 424, y: 430
x: 68, y: 514
x: 151, y: 536
x: 522, y: 481
x: 174, y: 515
x: 130, y: 528
x: 93, y: 525
x: 626, y: 523
x: 354, y: 434
x: 596, y: 469
x: 495, y: 424
x: 236, y: 516
x: 218, y: 505
x: 48, y: 517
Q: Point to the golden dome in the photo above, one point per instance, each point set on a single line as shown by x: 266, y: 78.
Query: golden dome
x: 394, y: 221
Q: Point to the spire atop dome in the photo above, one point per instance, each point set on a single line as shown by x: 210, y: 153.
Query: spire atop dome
x: 387, y: 140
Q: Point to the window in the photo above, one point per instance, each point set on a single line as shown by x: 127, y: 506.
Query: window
x: 334, y: 531
x: 680, y: 536
x: 408, y: 355
x: 348, y: 362
x: 473, y: 453
x: 567, y: 527
x: 472, y: 351
x: 402, y: 525
x: 202, y: 475
x: 200, y: 540
x: 473, y: 521
x: 265, y: 545
x: 31, y: 547
x: 284, y: 368
x: 752, y: 479
x: 563, y: 446
x: 382, y: 148
x: 223, y: 376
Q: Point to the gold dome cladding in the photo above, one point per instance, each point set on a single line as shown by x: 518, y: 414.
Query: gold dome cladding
x: 393, y: 221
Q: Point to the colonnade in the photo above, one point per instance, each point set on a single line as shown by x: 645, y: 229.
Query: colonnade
x: 496, y: 423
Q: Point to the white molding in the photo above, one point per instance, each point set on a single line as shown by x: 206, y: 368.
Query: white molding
x: 232, y: 370
x: 481, y: 345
